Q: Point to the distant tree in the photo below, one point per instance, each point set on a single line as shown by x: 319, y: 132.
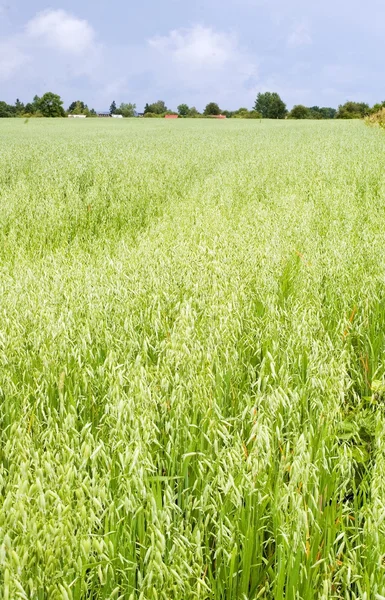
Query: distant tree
x: 183, y: 110
x: 35, y: 103
x: 126, y: 110
x: 244, y: 113
x: 253, y: 114
x: 77, y: 108
x: 19, y: 107
x: 270, y: 106
x: 113, y: 108
x: 377, y: 107
x: 80, y: 108
x: 300, y: 112
x: 50, y: 105
x: 315, y: 113
x: 29, y: 108
x: 352, y: 110
x: 32, y: 108
x: 327, y: 112
x: 212, y: 109
x: 6, y: 110
x: 193, y: 112
x: 157, y: 108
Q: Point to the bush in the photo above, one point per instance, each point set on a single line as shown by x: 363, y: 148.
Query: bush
x: 253, y: 114
x: 353, y: 110
x: 212, y: 109
x: 299, y: 112
x: 34, y: 115
x: 377, y: 119
x: 243, y: 113
x: 377, y: 108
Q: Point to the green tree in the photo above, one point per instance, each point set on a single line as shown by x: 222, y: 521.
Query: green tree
x: 157, y: 108
x: 253, y: 114
x: 325, y: 112
x: 19, y: 107
x: 352, y: 110
x: 270, y: 106
x: 193, y: 112
x: 80, y: 108
x: 6, y: 110
x: 328, y: 112
x: 113, y: 108
x: 315, y: 113
x: 244, y: 113
x: 377, y: 107
x: 50, y: 105
x: 32, y: 108
x: 126, y: 110
x: 299, y: 111
x: 77, y: 108
x: 183, y: 110
x: 29, y: 108
x: 212, y: 109
x: 35, y: 103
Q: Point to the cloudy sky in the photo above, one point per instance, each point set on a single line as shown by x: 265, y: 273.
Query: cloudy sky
x: 209, y: 50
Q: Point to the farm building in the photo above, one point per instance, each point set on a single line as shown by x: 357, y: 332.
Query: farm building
x: 170, y: 116
x: 77, y: 116
x: 218, y: 116
x: 117, y: 116
x: 103, y: 114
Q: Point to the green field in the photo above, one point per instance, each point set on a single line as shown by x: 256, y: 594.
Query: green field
x: 192, y: 316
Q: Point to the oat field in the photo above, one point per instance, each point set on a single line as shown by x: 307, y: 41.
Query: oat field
x: 192, y: 367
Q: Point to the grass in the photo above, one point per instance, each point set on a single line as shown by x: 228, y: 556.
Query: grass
x: 191, y: 318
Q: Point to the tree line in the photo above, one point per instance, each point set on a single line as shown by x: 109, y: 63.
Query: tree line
x: 268, y: 105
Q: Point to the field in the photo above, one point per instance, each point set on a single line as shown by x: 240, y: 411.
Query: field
x: 192, y: 337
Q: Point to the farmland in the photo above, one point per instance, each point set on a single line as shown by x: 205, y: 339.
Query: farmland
x: 192, y: 337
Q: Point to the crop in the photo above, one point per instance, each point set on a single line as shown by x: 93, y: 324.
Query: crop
x: 192, y: 377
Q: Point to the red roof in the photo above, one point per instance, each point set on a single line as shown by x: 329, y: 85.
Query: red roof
x: 170, y: 116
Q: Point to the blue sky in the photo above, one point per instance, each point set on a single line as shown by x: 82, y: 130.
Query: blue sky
x: 195, y: 52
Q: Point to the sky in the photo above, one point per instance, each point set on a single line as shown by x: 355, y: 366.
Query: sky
x: 312, y: 53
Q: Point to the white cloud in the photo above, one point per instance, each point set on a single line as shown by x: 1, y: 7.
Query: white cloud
x: 12, y: 58
x: 300, y: 36
x: 66, y: 37
x: 62, y: 31
x: 209, y: 64
x: 58, y: 51
x: 198, y: 47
